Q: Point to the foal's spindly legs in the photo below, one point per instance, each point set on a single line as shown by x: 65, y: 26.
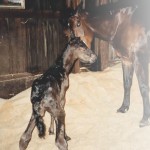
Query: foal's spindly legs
x: 26, y: 136
x: 51, y: 128
x: 141, y: 69
x: 127, y: 81
x: 60, y: 140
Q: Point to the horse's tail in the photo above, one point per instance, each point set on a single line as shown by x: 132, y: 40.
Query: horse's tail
x: 40, y: 124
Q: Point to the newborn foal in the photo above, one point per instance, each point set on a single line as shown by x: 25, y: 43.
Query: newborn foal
x: 48, y: 93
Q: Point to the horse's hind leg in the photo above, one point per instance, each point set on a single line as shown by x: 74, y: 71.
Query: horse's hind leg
x: 141, y: 69
x: 128, y: 69
x: 36, y: 120
x: 60, y: 130
x: 51, y: 128
x: 26, y: 136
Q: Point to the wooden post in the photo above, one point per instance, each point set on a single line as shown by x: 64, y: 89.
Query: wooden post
x: 103, y: 52
x: 72, y: 3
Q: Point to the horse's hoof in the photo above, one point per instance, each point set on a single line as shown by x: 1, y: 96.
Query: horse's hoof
x: 67, y: 138
x: 61, y: 143
x: 51, y: 132
x: 144, y: 123
x: 123, y: 109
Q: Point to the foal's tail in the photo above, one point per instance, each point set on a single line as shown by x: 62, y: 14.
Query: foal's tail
x: 40, y: 124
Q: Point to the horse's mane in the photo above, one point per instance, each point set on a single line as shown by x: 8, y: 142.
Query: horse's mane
x: 110, y: 7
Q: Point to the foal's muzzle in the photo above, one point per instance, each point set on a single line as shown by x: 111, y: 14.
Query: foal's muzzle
x: 93, y: 58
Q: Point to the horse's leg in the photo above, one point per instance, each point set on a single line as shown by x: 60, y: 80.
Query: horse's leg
x: 63, y: 105
x: 38, y: 112
x: 51, y: 128
x: 26, y: 136
x: 67, y: 137
x: 127, y: 67
x: 60, y: 140
x: 141, y: 69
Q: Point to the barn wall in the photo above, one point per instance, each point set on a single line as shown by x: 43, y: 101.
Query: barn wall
x: 45, y: 41
x: 30, y: 41
x: 29, y: 45
x: 12, y: 46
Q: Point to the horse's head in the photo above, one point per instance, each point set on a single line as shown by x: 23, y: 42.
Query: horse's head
x: 69, y: 12
x: 81, y: 51
x: 75, y: 23
x: 79, y: 25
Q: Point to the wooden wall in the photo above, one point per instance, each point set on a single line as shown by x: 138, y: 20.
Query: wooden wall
x: 30, y: 41
x: 46, y: 41
x: 29, y: 45
x: 12, y: 46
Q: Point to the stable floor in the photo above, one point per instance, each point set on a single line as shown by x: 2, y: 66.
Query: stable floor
x: 91, y: 119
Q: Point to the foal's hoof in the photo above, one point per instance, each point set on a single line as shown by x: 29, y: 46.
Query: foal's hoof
x: 123, y: 109
x: 67, y: 138
x: 61, y: 144
x: 144, y: 123
x: 51, y: 132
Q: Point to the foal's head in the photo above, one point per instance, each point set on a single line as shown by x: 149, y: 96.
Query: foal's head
x: 77, y: 49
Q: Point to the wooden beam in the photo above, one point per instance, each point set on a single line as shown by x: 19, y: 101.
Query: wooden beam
x: 21, y: 13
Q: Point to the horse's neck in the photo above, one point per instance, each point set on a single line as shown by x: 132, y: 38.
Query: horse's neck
x: 115, y: 24
x: 105, y: 28
x: 123, y: 20
x: 68, y: 60
x: 88, y: 35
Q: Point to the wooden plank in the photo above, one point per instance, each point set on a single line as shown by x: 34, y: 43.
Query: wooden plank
x: 5, y: 61
x: 20, y: 13
x: 30, y: 47
x: 11, y: 85
x: 104, y: 54
x: 17, y: 42
x: 103, y: 46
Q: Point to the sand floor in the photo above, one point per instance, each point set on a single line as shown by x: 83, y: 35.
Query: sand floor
x: 91, y: 118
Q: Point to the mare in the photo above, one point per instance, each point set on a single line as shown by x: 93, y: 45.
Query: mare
x: 129, y: 37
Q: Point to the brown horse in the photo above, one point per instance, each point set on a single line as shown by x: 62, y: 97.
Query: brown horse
x: 129, y: 38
